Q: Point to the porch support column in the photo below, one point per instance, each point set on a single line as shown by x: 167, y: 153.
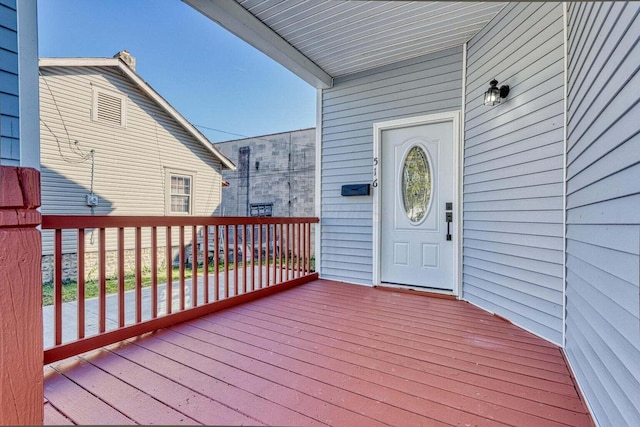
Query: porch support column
x: 21, y: 356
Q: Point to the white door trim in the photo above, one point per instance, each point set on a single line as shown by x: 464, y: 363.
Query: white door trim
x: 452, y: 116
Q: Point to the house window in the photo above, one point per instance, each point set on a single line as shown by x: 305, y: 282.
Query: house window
x: 181, y: 194
x: 261, y: 209
x: 109, y: 107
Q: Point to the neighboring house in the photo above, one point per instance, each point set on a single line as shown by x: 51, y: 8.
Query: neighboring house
x: 274, y: 176
x: 528, y: 208
x: 111, y: 145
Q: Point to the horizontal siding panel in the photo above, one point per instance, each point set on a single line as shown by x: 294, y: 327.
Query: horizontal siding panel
x: 533, y: 191
x: 544, y: 242
x: 622, y: 238
x: 618, y: 264
x: 616, y: 211
x: 534, y: 280
x: 539, y: 204
x: 526, y: 264
x: 519, y: 314
x: 540, y: 254
x: 621, y: 292
x: 513, y: 175
x: 516, y: 182
x: 530, y: 228
x: 623, y: 183
x: 536, y: 166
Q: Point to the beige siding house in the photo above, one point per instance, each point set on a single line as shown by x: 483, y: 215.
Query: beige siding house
x: 111, y: 145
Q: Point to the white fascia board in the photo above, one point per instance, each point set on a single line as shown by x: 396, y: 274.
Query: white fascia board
x: 79, y: 62
x: 244, y: 25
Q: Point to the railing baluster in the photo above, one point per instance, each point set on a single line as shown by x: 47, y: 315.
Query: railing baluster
x: 138, y: 274
x: 57, y: 287
x: 267, y: 255
x: 308, y: 248
x: 235, y: 260
x: 205, y: 263
x: 81, y: 284
x: 154, y: 272
x: 216, y: 263
x: 169, y: 286
x: 260, y: 254
x: 120, y: 277
x: 244, y: 258
x: 225, y: 294
x: 181, y: 267
x: 253, y: 256
x: 299, y: 250
x: 194, y: 266
x: 287, y: 254
x: 282, y: 249
x: 102, y: 278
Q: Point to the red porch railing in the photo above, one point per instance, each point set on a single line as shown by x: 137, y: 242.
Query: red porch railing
x: 242, y: 258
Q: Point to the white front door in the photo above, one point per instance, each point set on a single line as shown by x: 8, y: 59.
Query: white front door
x: 417, y: 195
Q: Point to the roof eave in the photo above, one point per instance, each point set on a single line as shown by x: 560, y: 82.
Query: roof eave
x: 237, y: 20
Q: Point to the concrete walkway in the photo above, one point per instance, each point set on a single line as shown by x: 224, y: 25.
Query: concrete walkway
x: 70, y: 309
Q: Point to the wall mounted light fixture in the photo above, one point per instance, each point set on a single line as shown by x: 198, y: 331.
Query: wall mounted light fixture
x: 494, y: 95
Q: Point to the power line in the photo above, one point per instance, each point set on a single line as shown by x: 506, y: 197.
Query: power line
x: 254, y: 137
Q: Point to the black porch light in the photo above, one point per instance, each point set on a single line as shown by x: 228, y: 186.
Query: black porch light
x: 495, y: 94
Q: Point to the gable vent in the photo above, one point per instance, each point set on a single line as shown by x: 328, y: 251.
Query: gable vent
x: 108, y: 108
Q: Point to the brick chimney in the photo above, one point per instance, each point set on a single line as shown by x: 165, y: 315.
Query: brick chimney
x: 126, y: 57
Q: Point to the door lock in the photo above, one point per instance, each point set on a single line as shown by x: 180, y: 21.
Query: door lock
x: 448, y: 216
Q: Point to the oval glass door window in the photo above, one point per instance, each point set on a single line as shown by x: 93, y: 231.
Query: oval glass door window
x: 416, y: 184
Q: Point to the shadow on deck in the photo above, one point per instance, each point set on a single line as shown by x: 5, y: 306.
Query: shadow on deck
x: 323, y: 353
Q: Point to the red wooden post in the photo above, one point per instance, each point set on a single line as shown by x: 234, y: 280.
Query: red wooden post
x: 21, y: 377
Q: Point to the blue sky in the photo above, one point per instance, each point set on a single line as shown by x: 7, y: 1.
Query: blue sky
x: 210, y: 76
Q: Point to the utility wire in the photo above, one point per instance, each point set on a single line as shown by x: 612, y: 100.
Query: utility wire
x: 252, y: 137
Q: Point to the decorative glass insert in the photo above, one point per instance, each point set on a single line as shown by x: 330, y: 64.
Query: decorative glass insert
x: 416, y: 184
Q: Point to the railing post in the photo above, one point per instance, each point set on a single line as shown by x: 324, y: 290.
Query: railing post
x: 21, y: 390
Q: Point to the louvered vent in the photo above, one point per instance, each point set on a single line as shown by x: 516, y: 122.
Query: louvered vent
x: 109, y: 109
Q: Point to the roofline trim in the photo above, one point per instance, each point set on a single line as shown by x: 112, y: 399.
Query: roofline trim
x: 240, y: 22
x: 148, y: 90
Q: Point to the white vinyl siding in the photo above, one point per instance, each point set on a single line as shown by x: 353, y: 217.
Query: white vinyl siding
x: 131, y: 163
x: 9, y: 105
x: 603, y: 208
x: 513, y: 169
x: 426, y: 85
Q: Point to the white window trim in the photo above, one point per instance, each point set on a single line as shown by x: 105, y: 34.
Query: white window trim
x: 123, y: 106
x: 177, y: 172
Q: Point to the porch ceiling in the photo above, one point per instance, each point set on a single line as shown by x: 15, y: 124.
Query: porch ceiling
x: 321, y: 40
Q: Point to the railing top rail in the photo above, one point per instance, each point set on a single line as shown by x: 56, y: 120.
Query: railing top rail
x: 50, y: 222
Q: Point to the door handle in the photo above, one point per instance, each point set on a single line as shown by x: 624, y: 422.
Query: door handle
x: 448, y: 216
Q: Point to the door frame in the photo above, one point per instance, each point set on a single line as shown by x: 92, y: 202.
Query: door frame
x: 450, y: 116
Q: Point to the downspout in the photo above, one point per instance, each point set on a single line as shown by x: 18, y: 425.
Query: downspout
x: 318, y: 181
x: 460, y: 210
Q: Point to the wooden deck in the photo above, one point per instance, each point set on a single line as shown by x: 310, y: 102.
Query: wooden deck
x: 324, y: 353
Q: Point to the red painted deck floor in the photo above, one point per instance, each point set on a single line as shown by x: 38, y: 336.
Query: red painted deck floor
x: 324, y: 353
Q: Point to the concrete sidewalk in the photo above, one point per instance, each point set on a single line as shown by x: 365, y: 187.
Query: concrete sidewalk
x: 70, y: 309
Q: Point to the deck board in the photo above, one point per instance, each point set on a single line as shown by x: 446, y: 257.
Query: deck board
x: 324, y: 353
